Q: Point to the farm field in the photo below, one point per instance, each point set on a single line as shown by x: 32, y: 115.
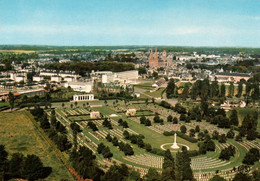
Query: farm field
x: 18, y: 134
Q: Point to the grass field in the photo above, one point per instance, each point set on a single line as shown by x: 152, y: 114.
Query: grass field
x: 147, y: 86
x: 18, y: 134
x: 157, y: 93
x: 17, y: 51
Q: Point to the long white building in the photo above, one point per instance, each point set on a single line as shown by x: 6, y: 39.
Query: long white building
x: 80, y: 86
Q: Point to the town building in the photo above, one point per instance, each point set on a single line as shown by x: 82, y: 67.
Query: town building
x: 83, y: 97
x: 231, y: 77
x: 153, y: 59
x: 56, y: 78
x: 94, y: 115
x: 80, y: 86
x: 38, y: 78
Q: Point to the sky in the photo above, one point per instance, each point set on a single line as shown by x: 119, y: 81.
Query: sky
x: 226, y: 23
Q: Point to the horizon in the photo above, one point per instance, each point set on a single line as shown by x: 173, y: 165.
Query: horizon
x: 141, y: 46
x: 200, y: 23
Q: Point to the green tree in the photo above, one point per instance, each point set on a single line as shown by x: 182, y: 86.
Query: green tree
x: 31, y: 166
x: 100, y: 147
x: 242, y: 177
x: 185, y: 92
x: 11, y: 100
x: 15, y: 165
x: 183, y: 168
x: 234, y: 118
x: 217, y: 178
x: 222, y: 90
x: 3, y: 161
x: 240, y: 89
x: 170, y: 89
x: 168, y: 172
x: 152, y: 175
x: 183, y: 129
x: 252, y: 156
x: 106, y: 152
x: 169, y: 118
x: 231, y: 90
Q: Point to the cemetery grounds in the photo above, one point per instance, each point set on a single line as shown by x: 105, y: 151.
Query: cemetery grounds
x: 204, y: 166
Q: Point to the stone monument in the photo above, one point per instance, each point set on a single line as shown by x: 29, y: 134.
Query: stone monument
x: 175, y: 146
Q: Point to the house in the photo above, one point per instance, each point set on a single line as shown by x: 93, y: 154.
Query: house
x: 38, y: 78
x: 94, y: 115
x: 56, y: 78
x: 131, y: 112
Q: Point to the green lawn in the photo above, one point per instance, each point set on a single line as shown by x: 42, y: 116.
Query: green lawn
x: 18, y: 134
x: 147, y: 85
x: 157, y: 93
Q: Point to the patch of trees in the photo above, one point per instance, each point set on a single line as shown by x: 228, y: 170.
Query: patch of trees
x: 165, y: 105
x: 218, y: 117
x: 104, y: 150
x: 107, y: 124
x: 121, y: 172
x: 252, y: 156
x: 56, y: 131
x: 206, y: 145
x: 92, y: 126
x: 129, y: 57
x: 84, y: 163
x: 217, y: 178
x: 172, y: 170
x: 145, y: 121
x: 134, y: 139
x: 157, y: 119
x: 123, y: 123
x: 171, y: 119
x: 125, y: 147
x: 83, y: 67
x: 228, y: 152
x: 183, y: 168
x: 249, y: 126
x: 28, y: 167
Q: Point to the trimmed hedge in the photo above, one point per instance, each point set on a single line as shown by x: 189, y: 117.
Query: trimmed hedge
x: 158, y: 151
x: 193, y: 153
x: 182, y: 135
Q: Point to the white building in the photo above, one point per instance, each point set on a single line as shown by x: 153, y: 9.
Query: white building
x: 20, y: 78
x: 83, y: 97
x: 94, y: 115
x: 126, y: 77
x: 80, y: 86
x: 38, y: 78
x: 69, y: 79
x: 17, y: 77
x: 56, y: 78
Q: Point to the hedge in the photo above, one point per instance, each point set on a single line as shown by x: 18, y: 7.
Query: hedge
x: 182, y: 135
